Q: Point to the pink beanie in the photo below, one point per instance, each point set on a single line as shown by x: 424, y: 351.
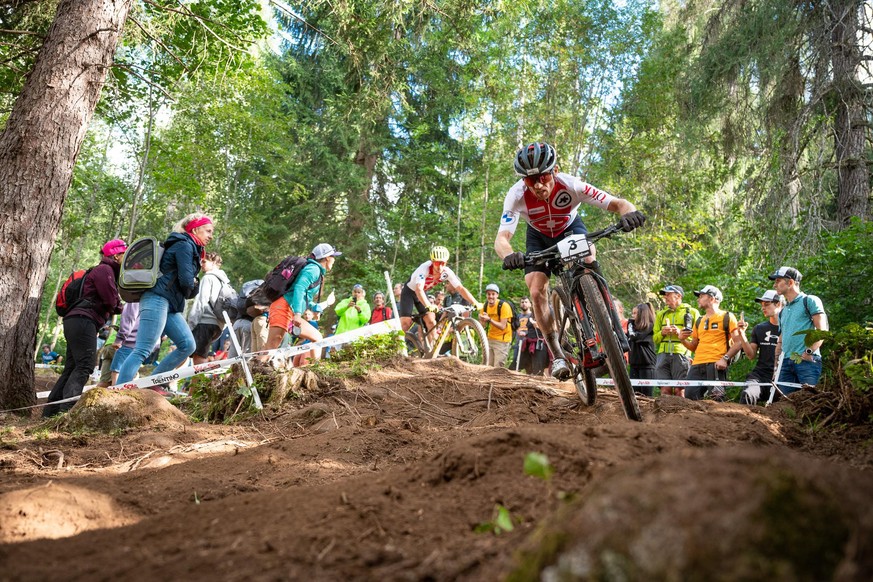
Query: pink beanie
x: 114, y: 247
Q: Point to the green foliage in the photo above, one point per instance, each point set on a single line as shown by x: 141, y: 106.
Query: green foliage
x: 837, y: 272
x: 844, y: 396
x: 356, y: 358
x: 537, y: 465
x: 502, y: 522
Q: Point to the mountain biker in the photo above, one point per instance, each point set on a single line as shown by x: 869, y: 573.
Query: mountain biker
x: 548, y: 201
x: 426, y: 277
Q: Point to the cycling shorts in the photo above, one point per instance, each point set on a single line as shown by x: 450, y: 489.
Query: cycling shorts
x: 537, y: 241
x: 408, y: 300
x: 281, y: 314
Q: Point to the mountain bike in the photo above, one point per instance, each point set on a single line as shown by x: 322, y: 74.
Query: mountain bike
x: 588, y: 324
x: 465, y: 335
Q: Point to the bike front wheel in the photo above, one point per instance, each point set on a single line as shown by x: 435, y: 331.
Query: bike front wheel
x: 612, y: 348
x: 413, y: 345
x: 469, y: 342
x: 570, y: 340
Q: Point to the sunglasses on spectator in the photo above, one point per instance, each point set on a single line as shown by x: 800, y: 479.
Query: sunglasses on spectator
x: 541, y: 178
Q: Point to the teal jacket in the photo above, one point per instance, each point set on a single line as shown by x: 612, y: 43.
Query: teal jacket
x: 305, y: 287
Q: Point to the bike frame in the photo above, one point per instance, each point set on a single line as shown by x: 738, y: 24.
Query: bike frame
x: 445, y: 323
x: 569, y: 277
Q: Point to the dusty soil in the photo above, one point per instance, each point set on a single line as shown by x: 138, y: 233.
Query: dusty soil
x: 399, y: 476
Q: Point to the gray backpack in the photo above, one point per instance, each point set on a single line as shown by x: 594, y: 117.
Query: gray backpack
x: 140, y: 268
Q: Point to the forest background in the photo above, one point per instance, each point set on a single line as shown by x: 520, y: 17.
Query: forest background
x: 742, y: 129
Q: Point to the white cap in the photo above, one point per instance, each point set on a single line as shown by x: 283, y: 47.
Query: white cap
x: 324, y: 250
x: 492, y: 287
x: 710, y: 290
x: 770, y: 296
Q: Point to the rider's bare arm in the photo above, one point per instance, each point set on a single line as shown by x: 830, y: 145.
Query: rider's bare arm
x: 620, y: 206
x: 467, y: 295
x: 501, y: 244
x: 422, y: 296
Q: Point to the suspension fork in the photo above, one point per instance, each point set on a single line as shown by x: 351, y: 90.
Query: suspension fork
x: 444, y: 326
x: 589, y: 337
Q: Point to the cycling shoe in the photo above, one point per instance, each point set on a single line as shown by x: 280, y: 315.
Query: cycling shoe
x: 560, y: 369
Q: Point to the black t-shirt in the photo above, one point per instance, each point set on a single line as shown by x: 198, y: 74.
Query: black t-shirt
x: 764, y: 334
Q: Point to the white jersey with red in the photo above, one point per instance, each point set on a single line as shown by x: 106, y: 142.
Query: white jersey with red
x: 551, y: 216
x: 425, y: 274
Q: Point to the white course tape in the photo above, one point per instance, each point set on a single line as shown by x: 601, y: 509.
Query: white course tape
x: 380, y: 328
x: 686, y: 383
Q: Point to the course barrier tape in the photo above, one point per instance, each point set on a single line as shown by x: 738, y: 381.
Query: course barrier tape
x: 382, y: 327
x: 695, y: 383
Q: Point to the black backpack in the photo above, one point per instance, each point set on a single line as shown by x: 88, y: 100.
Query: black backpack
x: 513, y: 321
x: 70, y: 293
x: 228, y: 300
x: 278, y: 281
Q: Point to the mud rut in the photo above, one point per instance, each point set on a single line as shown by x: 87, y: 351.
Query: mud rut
x: 387, y: 477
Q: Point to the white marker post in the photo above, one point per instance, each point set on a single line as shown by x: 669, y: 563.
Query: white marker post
x: 256, y: 398
x: 394, y: 307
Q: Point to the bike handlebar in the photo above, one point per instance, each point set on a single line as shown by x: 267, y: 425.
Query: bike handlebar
x: 539, y: 257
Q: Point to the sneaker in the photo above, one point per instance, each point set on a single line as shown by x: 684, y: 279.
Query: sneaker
x: 560, y: 369
x: 162, y: 389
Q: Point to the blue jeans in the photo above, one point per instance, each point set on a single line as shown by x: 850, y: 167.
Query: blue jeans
x: 119, y: 357
x: 802, y: 373
x: 155, y: 321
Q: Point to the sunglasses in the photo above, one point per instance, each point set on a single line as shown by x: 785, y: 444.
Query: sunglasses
x: 541, y: 178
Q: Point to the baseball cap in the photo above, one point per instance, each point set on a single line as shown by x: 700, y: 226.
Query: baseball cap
x: 114, y: 247
x: 492, y: 287
x: 769, y: 296
x: 711, y: 291
x: 324, y: 250
x: 672, y: 289
x: 787, y: 273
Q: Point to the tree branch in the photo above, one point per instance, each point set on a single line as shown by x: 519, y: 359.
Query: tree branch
x: 290, y: 12
x: 185, y: 11
x: 143, y: 79
x: 162, y: 45
x: 24, y: 32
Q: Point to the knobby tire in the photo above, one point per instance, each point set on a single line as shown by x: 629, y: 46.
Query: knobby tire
x: 583, y: 378
x: 471, y: 329
x: 413, y: 345
x: 610, y: 345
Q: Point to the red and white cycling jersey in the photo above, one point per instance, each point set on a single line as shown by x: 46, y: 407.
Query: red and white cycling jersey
x: 551, y: 216
x: 424, y: 273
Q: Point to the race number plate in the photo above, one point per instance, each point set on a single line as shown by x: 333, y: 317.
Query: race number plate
x: 574, y: 247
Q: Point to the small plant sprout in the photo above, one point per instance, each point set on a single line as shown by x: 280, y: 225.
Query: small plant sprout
x: 502, y: 522
x: 537, y: 465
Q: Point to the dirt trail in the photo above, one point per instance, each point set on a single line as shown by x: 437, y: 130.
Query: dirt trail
x: 389, y: 477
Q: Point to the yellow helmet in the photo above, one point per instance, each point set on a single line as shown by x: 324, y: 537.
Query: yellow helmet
x: 440, y: 254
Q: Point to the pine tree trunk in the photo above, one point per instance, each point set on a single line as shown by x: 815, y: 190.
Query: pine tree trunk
x: 38, y: 149
x: 849, y: 122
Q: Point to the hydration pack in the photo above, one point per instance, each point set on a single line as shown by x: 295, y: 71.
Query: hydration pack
x: 140, y: 268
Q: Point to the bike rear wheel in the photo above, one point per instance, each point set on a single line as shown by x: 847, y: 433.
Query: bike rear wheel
x: 570, y: 338
x: 612, y: 348
x: 470, y: 343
